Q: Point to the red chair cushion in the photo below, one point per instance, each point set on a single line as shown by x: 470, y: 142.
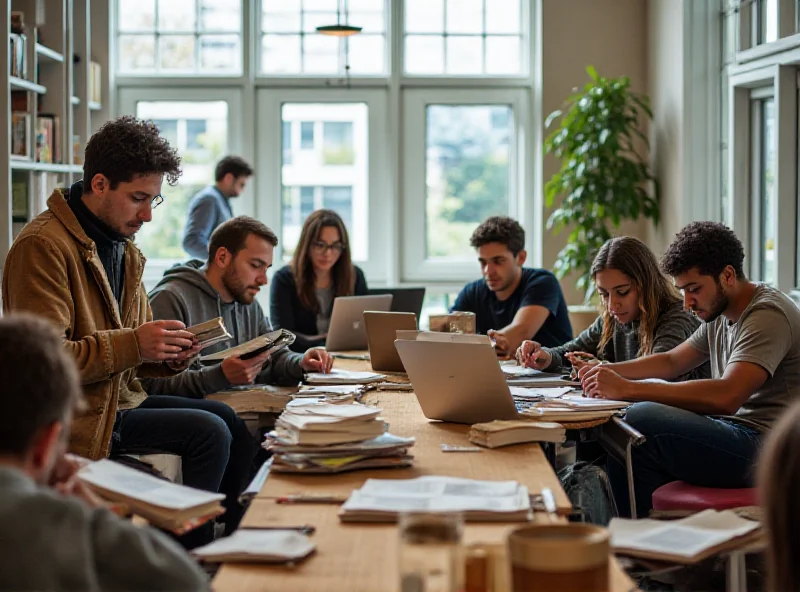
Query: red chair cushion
x: 682, y: 496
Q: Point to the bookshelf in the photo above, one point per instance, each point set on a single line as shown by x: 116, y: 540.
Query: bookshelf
x: 62, y: 40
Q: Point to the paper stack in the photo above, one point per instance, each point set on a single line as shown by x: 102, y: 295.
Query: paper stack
x: 164, y: 504
x: 210, y: 332
x: 384, y: 452
x: 687, y: 540
x: 528, y: 377
x: 322, y: 424
x: 342, y: 393
x: 261, y: 546
x: 495, y: 434
x: 381, y: 500
x: 337, y: 376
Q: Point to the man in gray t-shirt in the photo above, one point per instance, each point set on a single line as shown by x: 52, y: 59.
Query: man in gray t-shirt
x: 707, y: 432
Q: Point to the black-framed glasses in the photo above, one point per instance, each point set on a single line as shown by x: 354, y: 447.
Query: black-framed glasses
x: 322, y: 247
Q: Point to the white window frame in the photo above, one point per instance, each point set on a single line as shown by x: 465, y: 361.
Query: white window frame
x: 379, y: 176
x: 415, y: 265
x: 244, y: 204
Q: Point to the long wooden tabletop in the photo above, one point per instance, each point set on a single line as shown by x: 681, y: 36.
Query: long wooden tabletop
x: 363, y: 557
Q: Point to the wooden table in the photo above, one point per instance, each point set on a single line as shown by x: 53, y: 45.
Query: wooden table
x: 363, y: 557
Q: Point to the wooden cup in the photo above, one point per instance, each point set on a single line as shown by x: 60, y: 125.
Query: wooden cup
x: 565, y: 557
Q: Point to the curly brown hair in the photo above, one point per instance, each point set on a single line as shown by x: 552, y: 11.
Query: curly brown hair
x: 499, y: 229
x: 126, y: 148
x: 709, y: 247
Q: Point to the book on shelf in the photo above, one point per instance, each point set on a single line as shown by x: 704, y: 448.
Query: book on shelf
x: 44, y: 139
x: 381, y: 500
x: 95, y: 82
x: 19, y: 199
x: 687, y: 540
x: 54, y: 126
x: 253, y: 545
x: 495, y: 434
x: 269, y: 342
x: 210, y: 332
x: 164, y: 504
x: 20, y: 135
x: 18, y: 59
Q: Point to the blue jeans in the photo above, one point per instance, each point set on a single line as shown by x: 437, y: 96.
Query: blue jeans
x: 683, y: 446
x: 215, y: 446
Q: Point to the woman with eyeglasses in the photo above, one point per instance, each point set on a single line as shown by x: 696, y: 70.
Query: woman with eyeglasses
x: 301, y: 299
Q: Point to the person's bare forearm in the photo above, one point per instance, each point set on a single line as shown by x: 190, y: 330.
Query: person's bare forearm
x: 709, y: 397
x: 655, y: 366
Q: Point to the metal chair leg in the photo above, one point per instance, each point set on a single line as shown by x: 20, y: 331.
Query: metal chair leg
x: 736, y: 572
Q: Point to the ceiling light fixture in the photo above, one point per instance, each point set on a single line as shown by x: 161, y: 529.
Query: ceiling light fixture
x: 339, y: 29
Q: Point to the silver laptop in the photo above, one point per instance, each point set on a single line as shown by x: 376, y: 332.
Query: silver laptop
x: 346, y: 331
x: 456, y: 377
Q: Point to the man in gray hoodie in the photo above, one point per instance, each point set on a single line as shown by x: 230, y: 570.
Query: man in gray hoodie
x: 241, y: 251
x: 56, y: 534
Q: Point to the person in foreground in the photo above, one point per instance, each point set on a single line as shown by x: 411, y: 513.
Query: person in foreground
x: 779, y: 487
x: 76, y: 266
x: 707, y: 432
x: 321, y: 270
x: 513, y: 303
x: 211, y: 206
x: 226, y: 286
x: 641, y: 313
x: 57, y: 535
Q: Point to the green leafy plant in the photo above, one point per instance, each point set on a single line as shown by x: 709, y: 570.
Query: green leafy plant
x: 603, y: 177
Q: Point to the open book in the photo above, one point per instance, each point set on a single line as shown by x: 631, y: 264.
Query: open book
x: 500, y: 432
x: 210, y: 332
x: 164, y: 504
x: 381, y: 500
x: 254, y: 545
x: 688, y: 540
x: 269, y: 342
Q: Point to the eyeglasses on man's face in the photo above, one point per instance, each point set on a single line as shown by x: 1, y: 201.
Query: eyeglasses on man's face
x: 321, y: 247
x: 154, y: 201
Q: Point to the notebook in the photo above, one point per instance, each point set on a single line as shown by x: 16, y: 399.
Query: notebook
x: 252, y: 545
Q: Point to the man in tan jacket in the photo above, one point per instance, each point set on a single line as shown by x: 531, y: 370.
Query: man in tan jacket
x: 76, y: 266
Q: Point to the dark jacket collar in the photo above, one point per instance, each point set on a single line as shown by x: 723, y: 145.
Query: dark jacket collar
x: 97, y: 230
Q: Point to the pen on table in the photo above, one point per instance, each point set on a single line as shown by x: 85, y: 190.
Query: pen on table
x: 307, y: 529
x: 310, y: 499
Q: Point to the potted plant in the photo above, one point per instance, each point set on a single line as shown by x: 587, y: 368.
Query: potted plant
x: 603, y: 176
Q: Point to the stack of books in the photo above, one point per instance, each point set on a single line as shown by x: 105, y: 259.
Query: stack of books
x: 313, y: 436
x: 162, y: 503
x: 382, y: 500
x: 254, y: 545
x: 495, y: 434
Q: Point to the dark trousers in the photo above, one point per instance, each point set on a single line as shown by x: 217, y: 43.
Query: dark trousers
x: 683, y: 446
x: 215, y: 447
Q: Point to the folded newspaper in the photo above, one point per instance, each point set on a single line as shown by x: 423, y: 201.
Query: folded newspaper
x: 253, y: 545
x: 269, y: 342
x: 381, y: 500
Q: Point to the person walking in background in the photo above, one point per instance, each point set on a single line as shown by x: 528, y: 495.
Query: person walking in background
x: 211, y: 206
x: 301, y: 300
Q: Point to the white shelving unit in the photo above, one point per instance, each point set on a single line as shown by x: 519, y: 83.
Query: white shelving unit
x: 58, y: 53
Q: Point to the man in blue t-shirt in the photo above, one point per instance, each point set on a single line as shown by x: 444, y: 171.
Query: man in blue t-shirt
x: 512, y: 303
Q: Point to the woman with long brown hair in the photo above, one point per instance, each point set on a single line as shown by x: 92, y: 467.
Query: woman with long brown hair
x: 779, y: 488
x: 321, y: 269
x: 641, y: 313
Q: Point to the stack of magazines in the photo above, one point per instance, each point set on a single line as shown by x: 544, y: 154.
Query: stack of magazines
x: 320, y: 437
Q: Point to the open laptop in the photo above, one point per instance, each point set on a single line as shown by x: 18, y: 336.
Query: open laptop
x: 405, y: 299
x: 382, y: 330
x: 456, y: 377
x: 346, y: 331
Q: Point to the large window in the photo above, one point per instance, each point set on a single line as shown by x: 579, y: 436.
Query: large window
x: 179, y: 37
x: 464, y: 37
x: 290, y: 44
x: 765, y: 211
